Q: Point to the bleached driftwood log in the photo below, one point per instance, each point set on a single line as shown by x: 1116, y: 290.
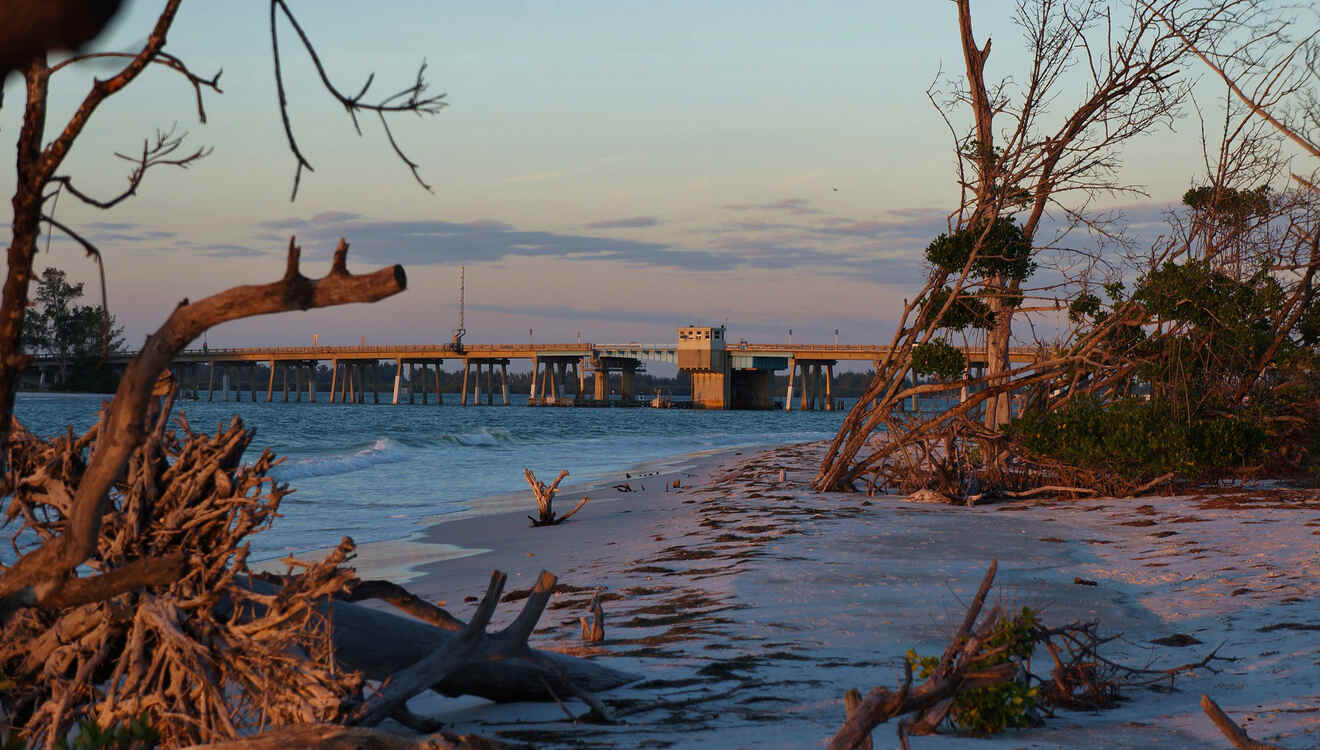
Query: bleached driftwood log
x: 545, y: 497
x: 380, y: 644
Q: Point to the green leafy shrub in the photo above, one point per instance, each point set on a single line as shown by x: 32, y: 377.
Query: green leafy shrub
x: 938, y: 358
x: 965, y: 312
x: 1010, y: 705
x: 135, y: 734
x: 1004, y: 252
x: 1136, y: 439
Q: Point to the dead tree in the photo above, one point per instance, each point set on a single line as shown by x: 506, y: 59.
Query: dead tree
x: 1027, y: 167
x: 174, y: 625
x: 31, y: 29
x: 545, y: 497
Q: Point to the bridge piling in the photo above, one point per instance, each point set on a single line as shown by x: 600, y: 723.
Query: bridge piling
x: 210, y: 383
x: 788, y: 396
x: 398, y: 377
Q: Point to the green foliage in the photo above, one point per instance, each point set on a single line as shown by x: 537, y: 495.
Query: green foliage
x: 1010, y: 705
x: 1004, y: 252
x: 1230, y: 204
x: 1084, y: 306
x: 133, y: 734
x: 56, y: 325
x: 1135, y: 438
x: 938, y: 358
x: 965, y: 312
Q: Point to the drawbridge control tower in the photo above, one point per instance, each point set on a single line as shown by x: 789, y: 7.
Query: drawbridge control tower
x: 724, y: 378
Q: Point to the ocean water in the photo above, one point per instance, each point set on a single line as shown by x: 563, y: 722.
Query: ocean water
x: 378, y: 472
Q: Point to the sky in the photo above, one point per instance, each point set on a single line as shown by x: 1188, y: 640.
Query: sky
x: 608, y: 169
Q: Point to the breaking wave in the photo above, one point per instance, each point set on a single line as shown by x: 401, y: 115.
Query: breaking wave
x: 383, y: 451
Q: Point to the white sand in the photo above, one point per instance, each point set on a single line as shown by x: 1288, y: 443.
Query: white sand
x: 753, y: 605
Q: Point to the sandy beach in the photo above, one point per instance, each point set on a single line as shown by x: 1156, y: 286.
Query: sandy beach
x: 752, y: 604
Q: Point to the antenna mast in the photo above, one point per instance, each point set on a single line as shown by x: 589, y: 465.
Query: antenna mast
x: 458, y: 332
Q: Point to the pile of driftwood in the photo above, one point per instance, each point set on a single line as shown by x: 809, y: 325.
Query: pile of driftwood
x: 1081, y: 678
x: 131, y: 596
x: 210, y: 651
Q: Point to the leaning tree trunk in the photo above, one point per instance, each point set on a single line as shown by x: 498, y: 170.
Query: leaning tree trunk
x: 25, y: 228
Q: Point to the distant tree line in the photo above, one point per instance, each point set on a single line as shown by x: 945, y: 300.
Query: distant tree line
x: 80, y: 335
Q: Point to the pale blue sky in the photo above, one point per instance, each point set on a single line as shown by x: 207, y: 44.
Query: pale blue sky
x: 611, y: 168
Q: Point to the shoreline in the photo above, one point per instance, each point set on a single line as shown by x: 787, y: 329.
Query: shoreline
x: 753, y: 604
x: 442, y: 538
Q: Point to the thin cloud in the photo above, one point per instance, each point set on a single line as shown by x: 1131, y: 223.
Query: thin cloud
x: 431, y: 242
x: 229, y: 251
x: 635, y: 222
x: 106, y: 238
x: 796, y: 206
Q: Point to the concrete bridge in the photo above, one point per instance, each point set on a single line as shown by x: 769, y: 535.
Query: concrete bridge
x: 724, y: 375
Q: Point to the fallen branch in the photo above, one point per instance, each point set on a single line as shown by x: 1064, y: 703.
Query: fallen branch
x: 472, y: 645
x: 951, y: 676
x: 1231, y: 730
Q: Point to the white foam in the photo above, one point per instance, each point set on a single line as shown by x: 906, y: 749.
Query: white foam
x: 383, y: 451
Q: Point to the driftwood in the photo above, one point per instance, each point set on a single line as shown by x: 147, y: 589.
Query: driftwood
x: 379, y: 644
x: 472, y: 645
x: 952, y: 675
x: 1231, y: 730
x: 545, y: 497
x: 593, y: 631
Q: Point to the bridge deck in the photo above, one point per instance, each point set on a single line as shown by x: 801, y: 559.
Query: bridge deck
x: 439, y: 352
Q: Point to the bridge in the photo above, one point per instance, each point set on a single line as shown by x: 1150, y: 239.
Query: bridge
x: 724, y: 375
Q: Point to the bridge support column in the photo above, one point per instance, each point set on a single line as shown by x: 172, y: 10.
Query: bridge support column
x: 788, y: 397
x: 398, y: 378
x: 210, y: 383
x: 504, y: 381
x: 375, y: 381
x: 600, y: 383
x: 334, y: 379
x: 476, y: 387
x: 311, y: 382
x: 270, y: 383
x: 531, y: 392
x: 626, y: 383
x: 490, y: 384
x: 806, y: 386
x: 467, y: 370
x: 829, y: 395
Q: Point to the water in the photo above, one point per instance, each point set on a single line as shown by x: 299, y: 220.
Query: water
x: 381, y: 472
